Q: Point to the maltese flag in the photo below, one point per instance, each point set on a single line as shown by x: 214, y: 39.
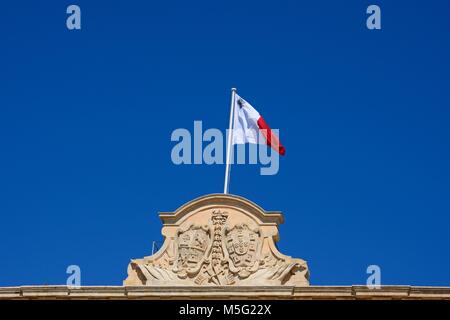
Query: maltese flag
x: 248, y: 125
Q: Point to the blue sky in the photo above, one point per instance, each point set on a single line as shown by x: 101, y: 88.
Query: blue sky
x: 86, y: 118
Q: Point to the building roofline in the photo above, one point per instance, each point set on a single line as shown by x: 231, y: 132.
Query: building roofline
x: 354, y: 292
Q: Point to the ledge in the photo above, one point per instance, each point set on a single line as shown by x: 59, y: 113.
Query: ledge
x: 220, y: 199
x: 224, y: 292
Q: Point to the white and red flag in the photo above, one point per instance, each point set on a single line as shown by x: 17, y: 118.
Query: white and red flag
x: 248, y: 126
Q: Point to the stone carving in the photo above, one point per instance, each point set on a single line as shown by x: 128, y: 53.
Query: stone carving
x: 242, y: 244
x: 219, y: 240
x: 191, y: 250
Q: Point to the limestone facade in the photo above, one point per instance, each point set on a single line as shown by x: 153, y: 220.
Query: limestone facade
x: 222, y: 240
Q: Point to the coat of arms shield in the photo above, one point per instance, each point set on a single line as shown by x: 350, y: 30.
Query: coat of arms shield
x: 242, y: 245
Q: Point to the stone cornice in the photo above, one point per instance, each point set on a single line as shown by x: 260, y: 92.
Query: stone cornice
x: 275, y: 217
x: 225, y: 292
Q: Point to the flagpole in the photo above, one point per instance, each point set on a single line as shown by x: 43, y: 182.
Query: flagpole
x: 229, y: 143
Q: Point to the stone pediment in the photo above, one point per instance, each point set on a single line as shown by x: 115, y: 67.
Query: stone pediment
x: 220, y: 240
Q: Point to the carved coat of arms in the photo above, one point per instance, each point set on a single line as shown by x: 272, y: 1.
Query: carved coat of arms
x: 221, y: 251
x: 193, y: 245
x: 242, y: 244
